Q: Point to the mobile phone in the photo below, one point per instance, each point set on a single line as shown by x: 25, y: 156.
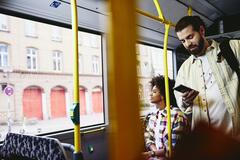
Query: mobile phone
x: 181, y: 88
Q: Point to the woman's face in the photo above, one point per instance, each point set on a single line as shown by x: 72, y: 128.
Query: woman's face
x: 155, y: 96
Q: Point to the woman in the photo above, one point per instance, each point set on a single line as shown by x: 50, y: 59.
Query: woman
x: 156, y: 136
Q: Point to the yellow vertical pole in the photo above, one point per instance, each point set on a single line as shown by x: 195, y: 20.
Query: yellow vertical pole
x: 167, y: 27
x: 74, y: 113
x: 126, y: 137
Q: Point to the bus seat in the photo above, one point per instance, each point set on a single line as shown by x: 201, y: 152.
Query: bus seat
x: 28, y: 147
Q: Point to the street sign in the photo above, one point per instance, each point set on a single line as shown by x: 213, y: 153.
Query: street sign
x: 8, y: 91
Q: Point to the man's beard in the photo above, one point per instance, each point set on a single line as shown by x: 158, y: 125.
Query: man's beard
x: 199, y: 48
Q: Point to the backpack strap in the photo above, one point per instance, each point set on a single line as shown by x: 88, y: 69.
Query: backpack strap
x: 227, y: 53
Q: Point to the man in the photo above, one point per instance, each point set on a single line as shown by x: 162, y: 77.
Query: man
x: 156, y: 133
x: 215, y: 99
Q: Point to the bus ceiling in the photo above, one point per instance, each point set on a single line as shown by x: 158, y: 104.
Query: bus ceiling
x: 219, y: 16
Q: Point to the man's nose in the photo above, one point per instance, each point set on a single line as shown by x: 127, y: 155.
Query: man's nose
x: 188, y: 43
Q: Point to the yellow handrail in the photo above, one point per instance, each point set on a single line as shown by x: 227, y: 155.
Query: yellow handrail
x: 159, y: 10
x: 74, y: 113
x: 155, y: 17
x: 167, y: 27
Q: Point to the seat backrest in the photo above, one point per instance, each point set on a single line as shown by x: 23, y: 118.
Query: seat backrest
x: 32, y: 147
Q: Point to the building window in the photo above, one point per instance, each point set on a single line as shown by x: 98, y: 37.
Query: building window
x: 143, y: 49
x: 3, y: 23
x: 86, y: 40
x: 94, y: 41
x: 56, y: 34
x: 3, y: 55
x: 95, y: 64
x: 57, y: 60
x: 32, y: 58
x: 146, y: 69
x: 157, y: 59
x: 30, y: 28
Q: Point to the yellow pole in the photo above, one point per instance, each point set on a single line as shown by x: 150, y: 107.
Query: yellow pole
x: 164, y: 21
x: 75, y: 116
x: 167, y: 27
x: 189, y: 11
x: 159, y: 10
x: 126, y: 137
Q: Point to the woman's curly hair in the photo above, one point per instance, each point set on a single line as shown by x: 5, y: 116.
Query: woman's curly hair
x: 159, y: 82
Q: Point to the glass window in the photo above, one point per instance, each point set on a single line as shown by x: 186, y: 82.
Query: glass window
x: 32, y: 58
x: 3, y: 55
x: 57, y: 60
x: 94, y: 41
x: 86, y: 40
x: 146, y: 69
x: 95, y: 64
x: 56, y: 34
x: 157, y: 61
x: 3, y: 23
x: 143, y: 49
x: 43, y: 99
x: 30, y: 28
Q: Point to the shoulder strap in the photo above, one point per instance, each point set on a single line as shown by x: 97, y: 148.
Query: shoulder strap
x: 227, y: 53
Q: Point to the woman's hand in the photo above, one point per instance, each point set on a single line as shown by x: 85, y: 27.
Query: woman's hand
x: 147, y: 155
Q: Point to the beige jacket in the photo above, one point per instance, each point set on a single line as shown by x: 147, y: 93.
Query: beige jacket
x: 190, y: 74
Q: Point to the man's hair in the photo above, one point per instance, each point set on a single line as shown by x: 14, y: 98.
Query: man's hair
x: 194, y: 21
x: 159, y: 82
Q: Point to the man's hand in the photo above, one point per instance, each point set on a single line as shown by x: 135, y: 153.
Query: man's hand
x: 188, y: 97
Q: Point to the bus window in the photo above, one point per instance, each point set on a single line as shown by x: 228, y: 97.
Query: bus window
x: 36, y: 61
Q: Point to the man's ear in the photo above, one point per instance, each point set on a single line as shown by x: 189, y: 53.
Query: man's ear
x: 202, y: 30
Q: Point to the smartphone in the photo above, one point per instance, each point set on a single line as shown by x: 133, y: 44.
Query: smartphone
x: 181, y: 88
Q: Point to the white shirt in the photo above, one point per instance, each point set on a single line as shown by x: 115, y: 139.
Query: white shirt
x: 218, y: 115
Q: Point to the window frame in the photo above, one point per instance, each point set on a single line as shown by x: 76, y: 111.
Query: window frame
x: 4, y: 54
x: 56, y: 34
x: 57, y: 58
x: 4, y: 24
x: 30, y: 27
x: 95, y: 64
x: 33, y: 58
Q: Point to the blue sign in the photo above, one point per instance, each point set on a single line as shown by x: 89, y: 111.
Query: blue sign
x: 55, y: 4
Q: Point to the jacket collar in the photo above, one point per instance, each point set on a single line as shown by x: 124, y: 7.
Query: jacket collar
x: 213, y: 45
